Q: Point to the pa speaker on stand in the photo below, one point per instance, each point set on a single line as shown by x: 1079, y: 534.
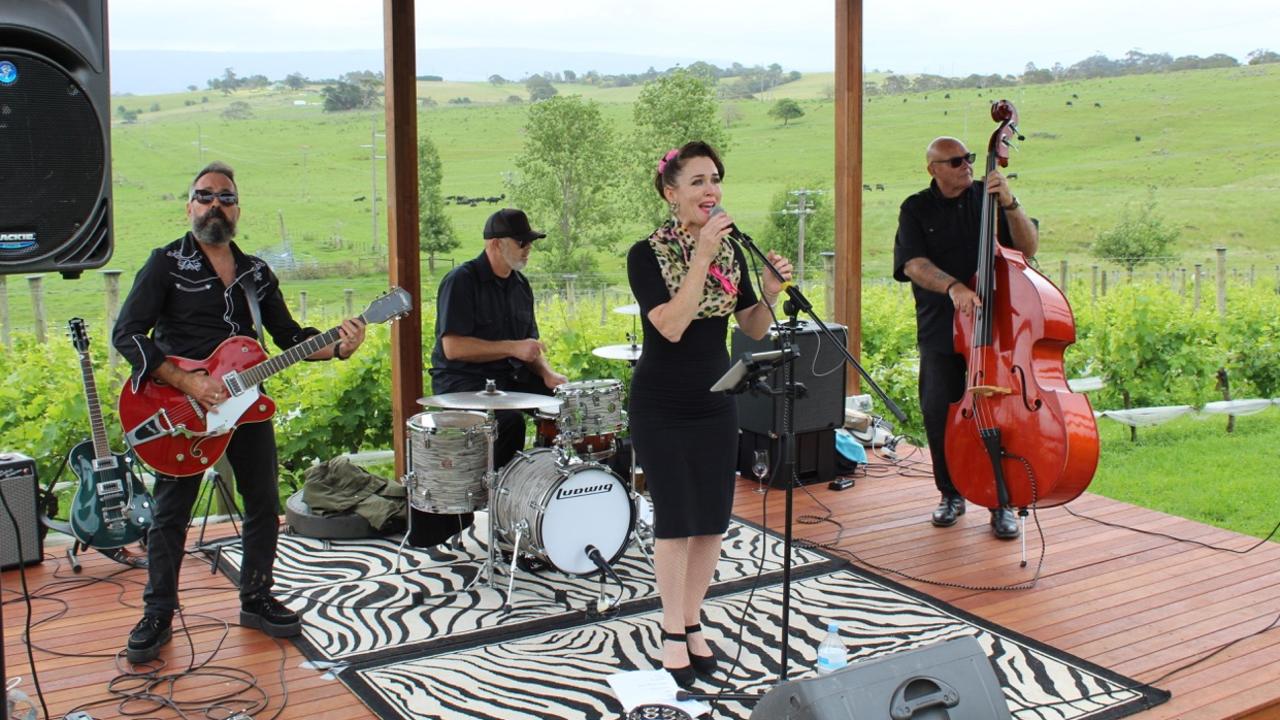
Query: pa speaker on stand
x: 55, y: 132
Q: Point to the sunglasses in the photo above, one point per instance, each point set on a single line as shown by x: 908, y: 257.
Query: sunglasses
x: 959, y: 160
x: 204, y: 197
x: 522, y: 244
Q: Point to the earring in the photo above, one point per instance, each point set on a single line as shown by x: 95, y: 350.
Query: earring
x: 675, y: 207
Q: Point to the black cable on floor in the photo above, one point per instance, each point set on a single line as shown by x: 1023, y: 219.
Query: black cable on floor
x: 22, y: 573
x: 1189, y: 541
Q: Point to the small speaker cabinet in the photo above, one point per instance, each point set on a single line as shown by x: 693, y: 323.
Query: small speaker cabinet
x: 18, y: 486
x: 820, y: 368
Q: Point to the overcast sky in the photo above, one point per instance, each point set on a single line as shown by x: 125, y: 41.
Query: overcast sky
x: 950, y: 38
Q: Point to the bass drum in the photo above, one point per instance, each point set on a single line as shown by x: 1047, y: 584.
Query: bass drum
x: 560, y: 507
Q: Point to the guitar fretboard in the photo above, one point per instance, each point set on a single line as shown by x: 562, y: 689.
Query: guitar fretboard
x: 101, y: 450
x: 265, y: 369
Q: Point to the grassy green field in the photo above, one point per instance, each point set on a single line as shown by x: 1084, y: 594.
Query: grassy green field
x: 1205, y: 155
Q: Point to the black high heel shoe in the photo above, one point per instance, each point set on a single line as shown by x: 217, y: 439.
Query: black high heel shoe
x: 684, y: 676
x: 703, y: 664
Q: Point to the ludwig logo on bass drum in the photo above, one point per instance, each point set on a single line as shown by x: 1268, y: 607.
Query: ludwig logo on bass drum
x: 583, y: 491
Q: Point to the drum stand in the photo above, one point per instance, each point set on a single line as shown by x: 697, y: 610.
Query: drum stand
x: 642, y: 531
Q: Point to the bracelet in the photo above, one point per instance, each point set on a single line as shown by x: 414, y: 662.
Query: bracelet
x: 1011, y: 206
x: 953, y: 283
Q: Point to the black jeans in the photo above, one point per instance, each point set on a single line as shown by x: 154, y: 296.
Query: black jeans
x: 942, y: 381
x: 252, y: 453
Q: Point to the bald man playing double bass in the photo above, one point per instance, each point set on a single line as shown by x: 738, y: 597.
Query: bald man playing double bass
x: 936, y: 250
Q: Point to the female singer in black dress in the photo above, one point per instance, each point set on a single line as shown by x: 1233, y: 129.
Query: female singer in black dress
x: 688, y: 278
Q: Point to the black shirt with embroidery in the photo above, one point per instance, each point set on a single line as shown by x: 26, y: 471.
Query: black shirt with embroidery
x: 179, y: 306
x: 945, y: 231
x: 473, y: 302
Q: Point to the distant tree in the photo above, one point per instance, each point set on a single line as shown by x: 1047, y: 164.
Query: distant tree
x: 894, y: 84
x: 129, y: 116
x: 255, y: 81
x: 540, y: 88
x: 228, y: 83
x: 570, y: 76
x: 703, y: 70
x: 237, y: 110
x: 567, y: 181
x: 1263, y: 56
x: 1138, y: 238
x: 192, y: 88
x: 342, y: 96
x: 497, y: 80
x: 155, y: 107
x: 1037, y: 76
x: 295, y: 81
x: 669, y: 112
x: 435, y: 231
x: 782, y: 231
x: 786, y: 110
x: 460, y: 100
x: 514, y: 99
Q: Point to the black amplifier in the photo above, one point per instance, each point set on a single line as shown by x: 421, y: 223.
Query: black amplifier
x: 19, y: 488
x: 820, y: 368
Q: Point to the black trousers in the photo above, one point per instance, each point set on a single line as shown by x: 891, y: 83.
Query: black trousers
x: 252, y: 453
x: 942, y: 381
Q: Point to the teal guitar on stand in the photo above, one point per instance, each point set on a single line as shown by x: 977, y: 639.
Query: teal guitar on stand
x: 111, y: 507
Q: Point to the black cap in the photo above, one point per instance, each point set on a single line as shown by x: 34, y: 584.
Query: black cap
x: 512, y: 223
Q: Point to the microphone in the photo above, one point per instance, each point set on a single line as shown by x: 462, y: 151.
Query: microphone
x: 598, y: 560
x: 734, y: 232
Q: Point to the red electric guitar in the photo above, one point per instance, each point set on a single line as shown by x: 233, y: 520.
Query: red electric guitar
x: 171, y: 432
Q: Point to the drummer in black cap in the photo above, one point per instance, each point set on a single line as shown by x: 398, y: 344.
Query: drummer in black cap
x: 486, y: 330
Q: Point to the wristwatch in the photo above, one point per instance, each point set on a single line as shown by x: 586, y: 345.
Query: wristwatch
x: 1011, y: 206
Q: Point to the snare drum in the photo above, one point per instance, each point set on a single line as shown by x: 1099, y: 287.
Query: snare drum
x: 591, y: 415
x: 560, y: 507
x: 448, y: 456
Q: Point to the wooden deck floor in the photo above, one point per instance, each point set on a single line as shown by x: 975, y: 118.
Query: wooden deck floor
x: 1138, y: 604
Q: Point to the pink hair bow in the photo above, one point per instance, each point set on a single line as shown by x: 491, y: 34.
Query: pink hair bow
x: 671, y: 154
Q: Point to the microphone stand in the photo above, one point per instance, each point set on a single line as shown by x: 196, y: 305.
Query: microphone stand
x: 790, y: 391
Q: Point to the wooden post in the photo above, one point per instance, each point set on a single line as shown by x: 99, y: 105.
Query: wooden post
x: 1222, y: 280
x: 1104, y: 283
x: 4, y: 312
x: 1224, y: 383
x: 1062, y: 276
x: 1182, y: 282
x: 348, y: 303
x: 829, y: 270
x: 37, y: 305
x: 848, y: 172
x: 604, y: 305
x: 1093, y: 283
x: 111, y: 278
x: 302, y: 308
x: 1195, y: 304
x: 568, y: 291
x: 1252, y: 275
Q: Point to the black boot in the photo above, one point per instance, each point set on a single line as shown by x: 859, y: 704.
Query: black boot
x: 949, y: 509
x: 148, y: 636
x: 270, y: 616
x: 1003, y: 524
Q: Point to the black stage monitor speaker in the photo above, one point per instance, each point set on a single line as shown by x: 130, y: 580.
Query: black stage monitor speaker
x: 820, y: 368
x: 952, y: 680
x: 19, y: 488
x: 55, y: 117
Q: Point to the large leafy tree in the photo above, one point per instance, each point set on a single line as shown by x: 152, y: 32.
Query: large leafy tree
x: 435, y: 231
x: 672, y: 110
x: 1139, y: 238
x: 567, y: 181
x: 786, y: 110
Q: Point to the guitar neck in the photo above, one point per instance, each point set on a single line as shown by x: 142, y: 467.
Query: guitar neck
x: 101, y: 449
x: 258, y: 374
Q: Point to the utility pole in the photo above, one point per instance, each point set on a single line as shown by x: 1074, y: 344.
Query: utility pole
x: 801, y: 209
x: 374, y: 157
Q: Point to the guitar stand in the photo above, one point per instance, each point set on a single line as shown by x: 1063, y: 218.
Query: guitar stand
x: 214, y: 549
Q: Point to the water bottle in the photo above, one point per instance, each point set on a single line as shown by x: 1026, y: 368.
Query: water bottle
x: 832, y: 654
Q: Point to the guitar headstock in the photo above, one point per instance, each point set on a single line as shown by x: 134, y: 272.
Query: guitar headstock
x: 79, y: 333
x: 395, y: 304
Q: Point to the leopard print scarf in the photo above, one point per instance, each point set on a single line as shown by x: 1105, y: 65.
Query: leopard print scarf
x: 673, y: 246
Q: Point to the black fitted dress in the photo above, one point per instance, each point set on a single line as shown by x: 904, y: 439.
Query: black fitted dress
x: 685, y: 436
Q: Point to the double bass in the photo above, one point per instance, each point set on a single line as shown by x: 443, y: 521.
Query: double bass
x: 1018, y: 437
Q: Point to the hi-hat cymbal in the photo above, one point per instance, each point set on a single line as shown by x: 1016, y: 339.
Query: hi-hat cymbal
x: 630, y: 353
x: 484, y: 400
x: 632, y: 309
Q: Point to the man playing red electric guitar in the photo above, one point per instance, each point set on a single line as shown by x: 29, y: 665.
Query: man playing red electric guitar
x: 190, y: 296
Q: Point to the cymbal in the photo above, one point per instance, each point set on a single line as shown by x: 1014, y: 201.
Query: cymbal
x: 630, y: 353
x: 484, y: 400
x: 632, y: 309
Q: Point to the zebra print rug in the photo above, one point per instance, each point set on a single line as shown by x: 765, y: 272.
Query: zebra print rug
x: 358, y: 607
x: 562, y: 673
